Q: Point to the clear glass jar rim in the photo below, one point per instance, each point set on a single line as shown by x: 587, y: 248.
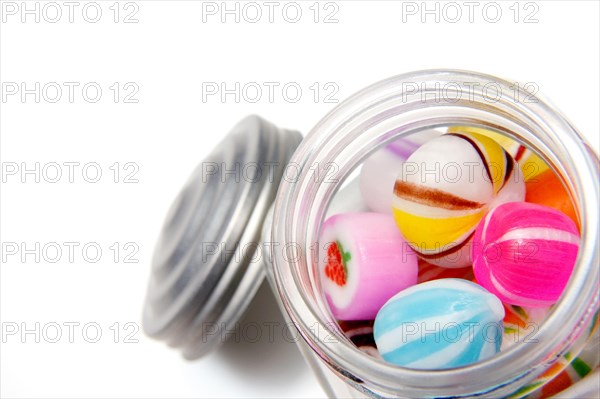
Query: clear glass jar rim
x: 295, y: 203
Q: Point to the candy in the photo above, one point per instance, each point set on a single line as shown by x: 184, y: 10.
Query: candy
x: 380, y: 170
x: 347, y: 199
x: 439, y: 324
x: 531, y: 164
x: 566, y: 372
x: 525, y: 253
x: 428, y: 272
x: 562, y: 375
x: 446, y: 187
x: 521, y: 324
x: 366, y: 262
x: 569, y: 369
x: 360, y: 332
x: 547, y: 189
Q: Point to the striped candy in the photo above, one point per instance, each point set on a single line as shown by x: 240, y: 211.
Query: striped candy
x: 531, y: 164
x: 380, y: 170
x: 446, y: 187
x: 439, y: 324
x: 365, y: 262
x: 525, y: 253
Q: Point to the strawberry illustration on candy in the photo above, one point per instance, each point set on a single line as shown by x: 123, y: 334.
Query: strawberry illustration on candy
x: 336, y: 268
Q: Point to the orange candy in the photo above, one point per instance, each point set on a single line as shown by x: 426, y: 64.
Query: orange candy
x: 547, y: 189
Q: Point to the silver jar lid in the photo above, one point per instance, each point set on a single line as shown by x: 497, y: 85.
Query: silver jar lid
x: 208, y: 264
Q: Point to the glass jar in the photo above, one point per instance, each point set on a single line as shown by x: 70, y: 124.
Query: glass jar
x: 200, y: 285
x: 385, y: 111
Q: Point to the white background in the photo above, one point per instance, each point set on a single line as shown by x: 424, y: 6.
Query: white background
x: 168, y: 54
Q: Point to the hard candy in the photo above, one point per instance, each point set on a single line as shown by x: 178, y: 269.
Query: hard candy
x: 364, y: 261
x: 439, y: 324
x: 446, y: 187
x: 524, y: 253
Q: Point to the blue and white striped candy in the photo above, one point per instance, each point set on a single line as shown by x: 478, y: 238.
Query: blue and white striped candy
x: 439, y: 324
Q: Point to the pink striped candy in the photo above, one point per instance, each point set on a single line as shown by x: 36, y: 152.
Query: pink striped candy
x: 524, y: 253
x: 364, y: 262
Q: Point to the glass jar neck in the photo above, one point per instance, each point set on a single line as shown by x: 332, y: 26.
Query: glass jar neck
x: 386, y: 111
